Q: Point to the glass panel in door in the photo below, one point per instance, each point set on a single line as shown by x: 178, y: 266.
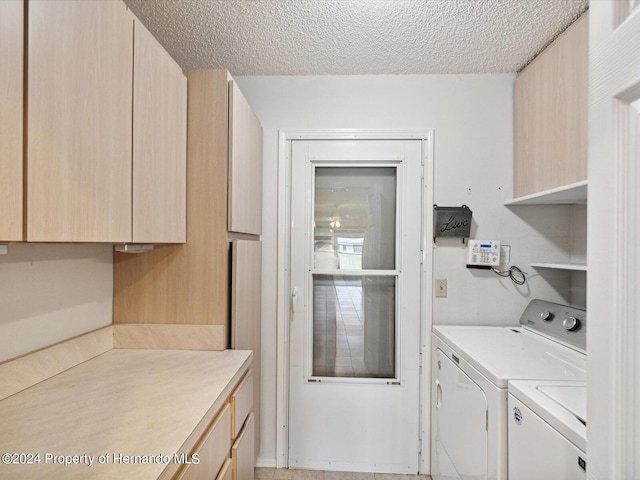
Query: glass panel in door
x: 354, y: 326
x: 354, y: 314
x: 354, y: 220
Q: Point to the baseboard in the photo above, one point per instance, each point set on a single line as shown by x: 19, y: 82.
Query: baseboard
x: 263, y: 462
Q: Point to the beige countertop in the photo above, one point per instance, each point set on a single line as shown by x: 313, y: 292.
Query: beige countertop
x: 124, y: 405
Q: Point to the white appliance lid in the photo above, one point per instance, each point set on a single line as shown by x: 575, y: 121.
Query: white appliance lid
x: 508, y: 353
x: 561, y: 404
x: 571, y: 397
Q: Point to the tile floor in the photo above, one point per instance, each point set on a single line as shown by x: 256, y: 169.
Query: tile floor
x: 292, y: 474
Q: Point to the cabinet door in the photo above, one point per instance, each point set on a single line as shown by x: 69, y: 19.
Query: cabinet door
x: 159, y: 143
x: 246, y: 293
x: 550, y: 115
x: 79, y: 121
x: 11, y: 114
x: 246, y: 311
x: 242, y: 452
x: 245, y: 166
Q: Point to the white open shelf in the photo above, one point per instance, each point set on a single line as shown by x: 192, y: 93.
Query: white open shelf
x: 576, y: 267
x: 575, y: 193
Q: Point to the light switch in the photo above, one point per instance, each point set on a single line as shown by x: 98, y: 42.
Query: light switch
x: 441, y: 287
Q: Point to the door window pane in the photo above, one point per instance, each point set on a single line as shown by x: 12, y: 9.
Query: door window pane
x: 354, y: 326
x: 355, y: 218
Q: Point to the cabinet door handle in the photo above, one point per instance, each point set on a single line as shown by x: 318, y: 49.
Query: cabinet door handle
x: 294, y: 300
x: 438, y: 394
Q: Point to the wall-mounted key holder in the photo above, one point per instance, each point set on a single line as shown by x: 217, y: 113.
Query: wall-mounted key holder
x: 451, y: 222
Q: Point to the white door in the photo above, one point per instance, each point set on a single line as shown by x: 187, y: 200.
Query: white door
x: 613, y: 290
x: 355, y: 323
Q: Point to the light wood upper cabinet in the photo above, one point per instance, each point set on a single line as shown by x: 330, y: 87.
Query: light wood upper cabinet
x: 550, y: 115
x: 245, y: 165
x: 189, y: 284
x: 80, y: 57
x: 159, y: 143
x: 11, y: 118
x: 106, y: 152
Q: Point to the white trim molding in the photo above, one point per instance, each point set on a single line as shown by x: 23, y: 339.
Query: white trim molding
x: 613, y: 246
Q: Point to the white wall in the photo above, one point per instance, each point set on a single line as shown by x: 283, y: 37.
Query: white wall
x: 472, y: 116
x: 49, y: 293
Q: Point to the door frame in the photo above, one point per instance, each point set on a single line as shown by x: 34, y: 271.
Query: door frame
x: 285, y: 136
x: 613, y: 219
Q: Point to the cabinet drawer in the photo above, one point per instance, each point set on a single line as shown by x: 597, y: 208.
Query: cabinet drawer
x: 242, y: 452
x: 241, y: 403
x: 226, y: 472
x: 213, y: 449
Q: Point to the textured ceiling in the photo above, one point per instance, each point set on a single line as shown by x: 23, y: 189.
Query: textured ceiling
x: 353, y: 37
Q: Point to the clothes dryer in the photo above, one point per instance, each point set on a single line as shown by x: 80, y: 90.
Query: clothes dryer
x: 471, y: 368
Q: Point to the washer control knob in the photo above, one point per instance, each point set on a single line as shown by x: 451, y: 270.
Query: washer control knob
x: 546, y: 316
x: 571, y: 323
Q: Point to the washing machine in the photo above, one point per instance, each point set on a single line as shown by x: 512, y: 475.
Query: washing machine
x: 471, y: 369
x: 547, y: 430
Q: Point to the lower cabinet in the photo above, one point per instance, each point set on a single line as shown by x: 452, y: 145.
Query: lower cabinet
x: 217, y: 457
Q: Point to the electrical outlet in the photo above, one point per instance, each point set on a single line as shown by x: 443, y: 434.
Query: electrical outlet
x: 441, y: 287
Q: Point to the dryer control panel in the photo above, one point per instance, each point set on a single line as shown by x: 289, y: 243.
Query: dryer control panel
x: 562, y: 322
